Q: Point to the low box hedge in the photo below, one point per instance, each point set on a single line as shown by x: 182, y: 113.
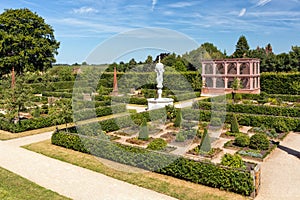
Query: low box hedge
x: 235, y: 180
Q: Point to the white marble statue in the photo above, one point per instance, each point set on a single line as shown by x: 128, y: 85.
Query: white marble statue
x: 159, y: 69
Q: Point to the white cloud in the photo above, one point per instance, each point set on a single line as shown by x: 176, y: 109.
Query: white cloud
x: 181, y: 4
x: 262, y: 2
x: 85, y: 10
x: 242, y: 12
x: 154, y: 2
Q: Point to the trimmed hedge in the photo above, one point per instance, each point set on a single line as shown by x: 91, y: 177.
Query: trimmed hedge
x: 280, y: 83
x: 239, y: 181
x: 251, y: 109
x: 279, y: 123
x: 99, y: 112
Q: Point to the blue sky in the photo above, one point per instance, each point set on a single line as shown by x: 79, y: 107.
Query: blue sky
x: 81, y: 25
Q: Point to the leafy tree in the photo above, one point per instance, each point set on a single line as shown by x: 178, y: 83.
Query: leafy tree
x: 241, y: 48
x: 205, y: 142
x: 179, y: 66
x: 63, y: 111
x: 27, y: 43
x: 236, y: 85
x: 169, y: 60
x: 234, y: 128
x: 149, y: 60
x: 132, y: 62
x: 144, y: 131
x: 17, y: 99
x: 234, y: 161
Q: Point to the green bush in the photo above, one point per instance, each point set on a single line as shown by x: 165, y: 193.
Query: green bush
x: 234, y: 128
x: 205, y: 144
x: 234, y: 161
x: 144, y: 131
x: 242, y: 140
x: 157, y: 144
x: 180, y: 137
x: 178, y: 119
x: 216, y: 121
x: 259, y: 141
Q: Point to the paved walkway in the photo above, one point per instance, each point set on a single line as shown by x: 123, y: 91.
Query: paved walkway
x: 281, y: 172
x: 64, y: 178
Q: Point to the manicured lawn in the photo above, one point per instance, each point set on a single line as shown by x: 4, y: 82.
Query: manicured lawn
x: 13, y: 186
x: 164, y: 184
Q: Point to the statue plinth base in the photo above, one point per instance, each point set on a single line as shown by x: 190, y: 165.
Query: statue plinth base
x: 154, y: 103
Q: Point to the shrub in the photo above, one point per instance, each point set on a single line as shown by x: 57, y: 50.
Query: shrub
x: 242, y: 140
x: 259, y: 141
x: 233, y: 161
x: 234, y: 128
x: 144, y: 131
x: 215, y: 121
x: 178, y: 119
x: 251, y: 153
x: 205, y: 142
x: 157, y: 144
x: 180, y: 137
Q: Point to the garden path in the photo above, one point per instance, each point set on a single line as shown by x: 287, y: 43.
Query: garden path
x: 281, y: 171
x: 64, y: 178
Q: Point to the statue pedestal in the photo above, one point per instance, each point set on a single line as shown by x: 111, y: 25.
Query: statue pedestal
x: 154, y: 103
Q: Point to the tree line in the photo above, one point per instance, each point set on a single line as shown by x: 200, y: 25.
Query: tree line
x: 27, y: 44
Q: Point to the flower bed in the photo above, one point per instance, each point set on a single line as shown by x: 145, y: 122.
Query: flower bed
x: 211, y: 154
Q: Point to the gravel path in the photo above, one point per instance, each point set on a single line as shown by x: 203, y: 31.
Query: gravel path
x: 64, y: 178
x: 281, y: 172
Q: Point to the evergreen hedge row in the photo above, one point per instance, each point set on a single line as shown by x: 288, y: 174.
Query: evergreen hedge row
x: 98, y: 112
x: 280, y: 83
x: 248, y: 108
x: 239, y: 181
x: 279, y: 123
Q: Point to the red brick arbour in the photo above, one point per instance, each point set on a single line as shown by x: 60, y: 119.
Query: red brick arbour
x: 218, y: 75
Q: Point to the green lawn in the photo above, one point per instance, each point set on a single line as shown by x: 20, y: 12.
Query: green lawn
x: 13, y: 186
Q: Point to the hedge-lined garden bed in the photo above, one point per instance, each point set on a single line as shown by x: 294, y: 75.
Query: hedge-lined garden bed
x: 248, y: 108
x: 235, y: 180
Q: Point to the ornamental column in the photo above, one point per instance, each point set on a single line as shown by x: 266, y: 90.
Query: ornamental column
x: 226, y: 82
x: 214, y: 82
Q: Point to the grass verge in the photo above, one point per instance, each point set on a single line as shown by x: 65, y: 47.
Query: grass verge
x: 163, y: 184
x: 13, y: 186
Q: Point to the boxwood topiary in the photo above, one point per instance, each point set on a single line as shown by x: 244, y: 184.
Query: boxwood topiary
x: 259, y: 141
x: 157, y: 144
x: 242, y: 140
